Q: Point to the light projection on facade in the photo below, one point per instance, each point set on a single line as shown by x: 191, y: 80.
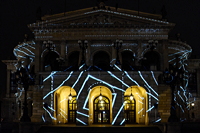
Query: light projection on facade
x: 141, y: 97
x: 63, y: 109
x: 143, y: 94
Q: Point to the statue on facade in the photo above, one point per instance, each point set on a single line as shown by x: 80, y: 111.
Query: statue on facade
x: 102, y: 4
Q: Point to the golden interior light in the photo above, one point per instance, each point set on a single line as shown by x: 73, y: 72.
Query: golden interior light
x: 131, y: 97
x: 100, y: 96
x: 70, y: 96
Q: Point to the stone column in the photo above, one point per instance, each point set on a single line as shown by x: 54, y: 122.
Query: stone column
x: 8, y: 83
x: 164, y: 58
x: 113, y: 58
x: 88, y: 60
x: 164, y: 105
x: 139, y: 51
x: 63, y: 49
x: 38, y: 63
x: 37, y: 105
x: 198, y: 85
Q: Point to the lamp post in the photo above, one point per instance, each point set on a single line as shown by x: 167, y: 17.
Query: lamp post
x: 173, y: 77
x: 83, y: 46
x: 152, y: 44
x: 25, y: 79
x: 117, y: 45
x: 49, y: 45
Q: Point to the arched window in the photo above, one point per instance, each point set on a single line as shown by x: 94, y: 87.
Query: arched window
x: 51, y: 62
x: 72, y: 107
x: 151, y: 61
x: 101, y: 109
x: 101, y: 61
x: 128, y: 61
x: 73, y: 60
x: 129, y: 109
x: 65, y: 105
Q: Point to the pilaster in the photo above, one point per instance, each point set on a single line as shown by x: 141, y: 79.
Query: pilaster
x: 164, y: 102
x: 164, y: 57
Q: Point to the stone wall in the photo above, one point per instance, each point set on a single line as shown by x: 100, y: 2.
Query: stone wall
x: 164, y: 102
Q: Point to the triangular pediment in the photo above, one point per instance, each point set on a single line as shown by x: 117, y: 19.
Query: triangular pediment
x: 101, y: 17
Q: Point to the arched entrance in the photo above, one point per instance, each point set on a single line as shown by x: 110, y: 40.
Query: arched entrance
x: 152, y: 61
x: 129, y: 109
x: 128, y: 61
x: 135, y: 105
x: 101, y: 109
x: 100, y: 105
x: 65, y: 105
x: 101, y: 61
x: 50, y: 61
x: 72, y: 107
x: 73, y: 60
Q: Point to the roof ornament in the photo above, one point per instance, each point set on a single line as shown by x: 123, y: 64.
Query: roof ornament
x: 102, y: 4
x: 116, y: 6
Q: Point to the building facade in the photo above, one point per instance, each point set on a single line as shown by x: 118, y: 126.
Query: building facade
x: 100, y: 65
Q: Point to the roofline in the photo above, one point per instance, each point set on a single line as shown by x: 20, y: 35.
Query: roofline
x: 120, y: 11
x: 128, y: 11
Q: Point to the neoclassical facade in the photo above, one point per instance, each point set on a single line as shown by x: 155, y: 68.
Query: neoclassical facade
x: 100, y: 65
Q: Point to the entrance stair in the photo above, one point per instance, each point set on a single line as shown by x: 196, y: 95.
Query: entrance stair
x: 98, y: 129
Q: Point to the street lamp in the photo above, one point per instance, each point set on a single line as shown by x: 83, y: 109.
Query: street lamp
x: 24, y: 78
x: 152, y: 44
x: 49, y: 45
x: 117, y: 45
x: 173, y: 77
x: 83, y: 46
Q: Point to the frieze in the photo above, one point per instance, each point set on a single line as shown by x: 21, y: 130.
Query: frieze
x: 83, y: 35
x: 93, y: 30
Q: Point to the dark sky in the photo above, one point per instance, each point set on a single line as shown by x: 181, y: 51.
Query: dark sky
x: 16, y: 14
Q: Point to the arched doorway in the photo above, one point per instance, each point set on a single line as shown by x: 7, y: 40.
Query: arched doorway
x: 100, y: 105
x: 128, y: 61
x: 72, y: 107
x: 151, y: 61
x: 50, y: 61
x: 65, y: 105
x: 73, y: 60
x: 101, y: 61
x: 129, y: 109
x: 101, y: 109
x: 135, y: 105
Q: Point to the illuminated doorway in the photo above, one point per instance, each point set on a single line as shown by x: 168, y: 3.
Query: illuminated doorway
x: 129, y: 109
x: 135, y: 105
x: 101, y: 109
x: 72, y: 107
x: 65, y: 105
x: 100, y: 105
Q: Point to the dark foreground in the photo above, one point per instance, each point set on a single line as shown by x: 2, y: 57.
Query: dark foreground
x: 8, y: 127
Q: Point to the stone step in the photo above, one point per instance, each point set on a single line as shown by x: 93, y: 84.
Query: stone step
x: 85, y: 129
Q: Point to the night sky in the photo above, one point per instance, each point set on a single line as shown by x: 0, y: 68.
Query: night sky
x: 16, y: 14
